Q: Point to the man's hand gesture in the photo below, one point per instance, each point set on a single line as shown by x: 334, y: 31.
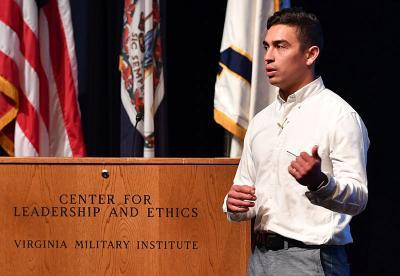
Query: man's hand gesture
x: 240, y: 198
x: 306, y: 169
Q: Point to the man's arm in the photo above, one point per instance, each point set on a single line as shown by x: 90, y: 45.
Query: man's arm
x: 346, y: 190
x: 240, y: 201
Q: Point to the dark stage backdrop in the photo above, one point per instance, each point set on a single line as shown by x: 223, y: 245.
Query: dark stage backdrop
x: 359, y: 62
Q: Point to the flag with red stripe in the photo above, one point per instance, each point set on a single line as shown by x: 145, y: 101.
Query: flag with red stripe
x: 39, y: 112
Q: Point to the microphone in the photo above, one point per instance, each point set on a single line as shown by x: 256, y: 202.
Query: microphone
x: 139, y: 117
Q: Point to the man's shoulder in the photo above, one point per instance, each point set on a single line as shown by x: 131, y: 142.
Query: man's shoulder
x: 266, y: 111
x: 331, y: 101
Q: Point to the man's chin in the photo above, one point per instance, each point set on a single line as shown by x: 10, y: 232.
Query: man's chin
x: 273, y: 81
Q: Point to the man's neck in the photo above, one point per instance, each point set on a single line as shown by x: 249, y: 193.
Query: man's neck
x: 285, y: 93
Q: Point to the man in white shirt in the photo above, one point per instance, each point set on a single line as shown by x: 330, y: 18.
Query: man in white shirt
x: 302, y: 174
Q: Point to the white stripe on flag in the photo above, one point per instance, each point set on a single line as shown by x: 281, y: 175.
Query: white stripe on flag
x: 29, y: 13
x: 23, y: 146
x: 58, y: 141
x: 65, y: 14
x: 10, y: 45
x: 238, y: 98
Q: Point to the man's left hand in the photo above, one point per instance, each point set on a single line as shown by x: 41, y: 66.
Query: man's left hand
x: 306, y: 169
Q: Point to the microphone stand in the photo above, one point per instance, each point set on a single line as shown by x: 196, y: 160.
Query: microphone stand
x: 139, y: 117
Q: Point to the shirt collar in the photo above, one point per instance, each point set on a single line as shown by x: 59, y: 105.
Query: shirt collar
x: 305, y: 92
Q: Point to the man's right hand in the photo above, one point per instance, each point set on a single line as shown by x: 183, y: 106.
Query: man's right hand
x: 240, y: 198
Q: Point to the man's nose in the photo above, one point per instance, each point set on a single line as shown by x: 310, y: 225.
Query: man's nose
x: 268, y: 56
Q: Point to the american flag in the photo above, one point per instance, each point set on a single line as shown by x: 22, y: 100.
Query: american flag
x: 39, y: 112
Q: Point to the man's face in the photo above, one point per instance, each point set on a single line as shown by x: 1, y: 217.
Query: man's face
x: 285, y: 60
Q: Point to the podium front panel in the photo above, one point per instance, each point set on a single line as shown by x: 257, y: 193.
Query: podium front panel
x: 119, y: 216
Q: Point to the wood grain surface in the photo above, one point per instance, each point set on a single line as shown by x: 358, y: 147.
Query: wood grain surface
x: 146, y: 218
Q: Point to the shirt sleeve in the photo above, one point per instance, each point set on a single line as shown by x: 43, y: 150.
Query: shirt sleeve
x: 245, y: 175
x: 346, y: 191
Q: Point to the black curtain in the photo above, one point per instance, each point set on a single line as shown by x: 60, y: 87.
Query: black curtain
x: 97, y: 30
x: 193, y: 39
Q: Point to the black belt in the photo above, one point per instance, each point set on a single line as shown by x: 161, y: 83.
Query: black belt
x: 272, y: 241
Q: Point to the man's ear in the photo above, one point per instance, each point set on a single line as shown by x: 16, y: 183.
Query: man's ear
x: 312, y: 55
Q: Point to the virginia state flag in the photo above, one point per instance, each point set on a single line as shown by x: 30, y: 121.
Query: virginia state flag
x: 242, y: 88
x: 142, y: 84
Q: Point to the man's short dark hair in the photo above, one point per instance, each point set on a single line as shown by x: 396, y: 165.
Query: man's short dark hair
x: 308, y: 26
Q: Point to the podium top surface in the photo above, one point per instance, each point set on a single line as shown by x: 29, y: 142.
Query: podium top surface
x: 118, y: 161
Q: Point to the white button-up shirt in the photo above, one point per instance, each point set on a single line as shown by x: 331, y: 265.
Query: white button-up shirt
x: 313, y: 115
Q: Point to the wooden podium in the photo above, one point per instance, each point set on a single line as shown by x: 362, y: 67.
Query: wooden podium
x: 118, y: 216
